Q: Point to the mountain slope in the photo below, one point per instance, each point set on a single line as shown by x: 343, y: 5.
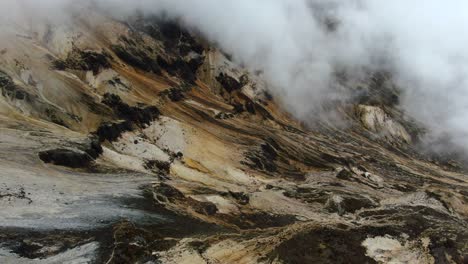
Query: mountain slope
x: 142, y: 142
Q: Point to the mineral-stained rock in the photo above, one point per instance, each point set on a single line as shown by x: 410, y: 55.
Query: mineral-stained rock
x: 376, y: 120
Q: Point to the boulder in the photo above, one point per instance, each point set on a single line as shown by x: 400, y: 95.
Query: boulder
x: 72, y: 158
x: 343, y: 204
x: 377, y: 121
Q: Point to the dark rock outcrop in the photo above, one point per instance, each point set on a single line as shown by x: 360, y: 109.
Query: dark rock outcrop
x: 347, y: 204
x: 263, y: 159
x: 111, y: 131
x: 83, y: 61
x: 139, y: 115
x: 175, y: 37
x: 262, y: 220
x: 175, y: 94
x: 137, y: 58
x: 185, y: 70
x: 66, y: 157
x: 323, y: 246
x: 166, y: 192
x: 134, y: 245
x: 250, y: 107
x: 9, y: 89
x: 205, y: 208
x: 158, y: 166
x: 92, y: 147
x: 229, y: 83
x: 80, y: 156
x: 241, y: 197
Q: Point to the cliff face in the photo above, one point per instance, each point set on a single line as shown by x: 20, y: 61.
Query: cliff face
x: 140, y: 142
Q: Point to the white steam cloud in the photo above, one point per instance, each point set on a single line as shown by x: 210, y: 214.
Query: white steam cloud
x: 421, y: 42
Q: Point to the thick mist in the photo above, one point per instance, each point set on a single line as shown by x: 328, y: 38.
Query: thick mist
x: 300, y: 44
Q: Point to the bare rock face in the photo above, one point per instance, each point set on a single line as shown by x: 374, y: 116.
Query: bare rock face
x: 379, y: 122
x: 138, y: 142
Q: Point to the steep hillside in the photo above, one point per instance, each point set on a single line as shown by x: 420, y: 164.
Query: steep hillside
x: 141, y: 142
